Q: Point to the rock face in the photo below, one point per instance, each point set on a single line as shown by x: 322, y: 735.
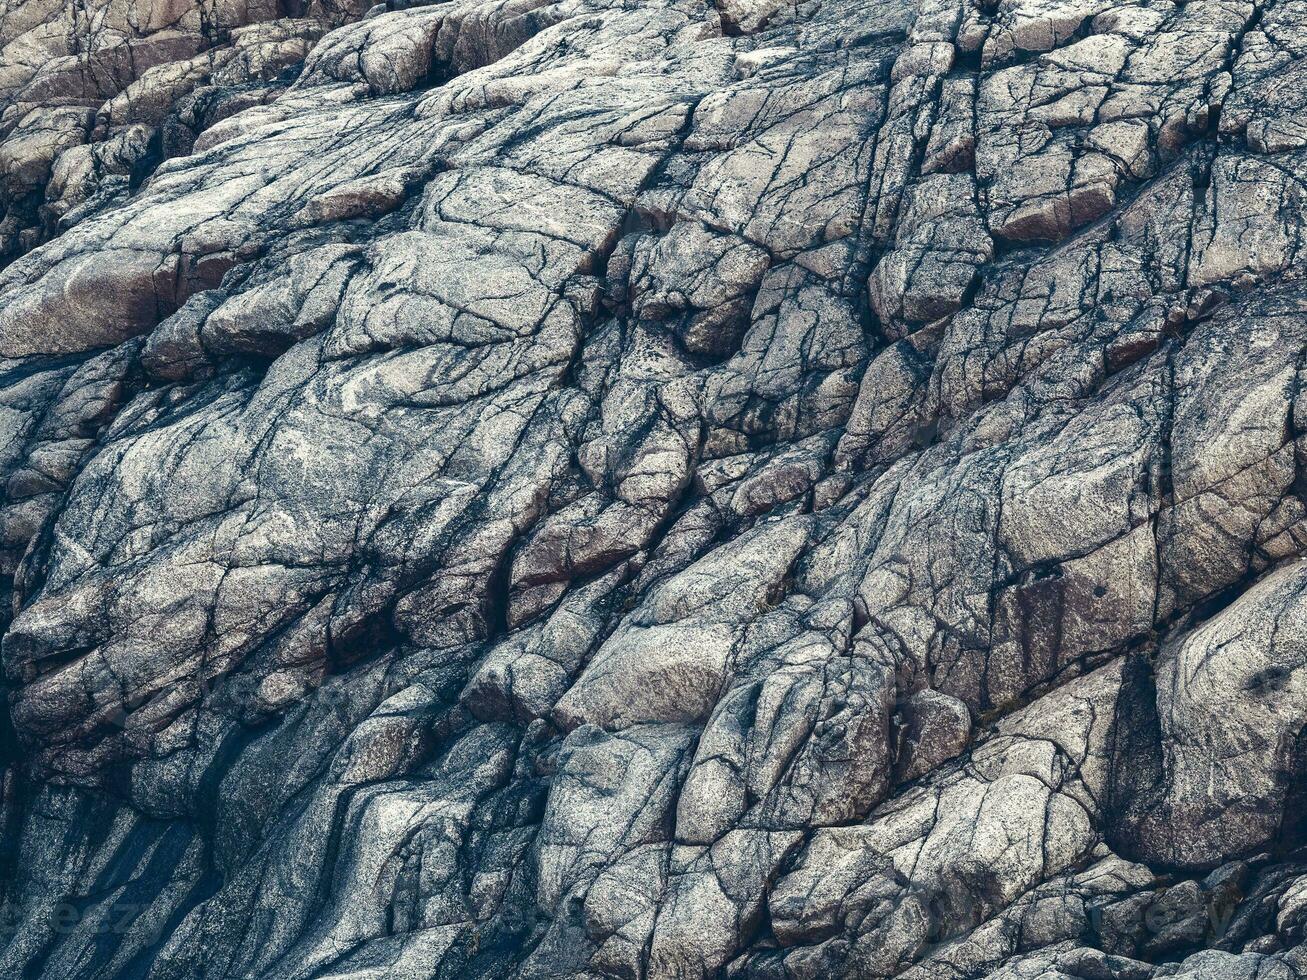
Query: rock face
x: 579, y: 488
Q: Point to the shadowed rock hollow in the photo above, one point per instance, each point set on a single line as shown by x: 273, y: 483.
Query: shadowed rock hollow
x: 641, y: 490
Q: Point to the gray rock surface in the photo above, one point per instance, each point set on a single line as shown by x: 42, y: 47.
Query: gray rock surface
x: 575, y: 488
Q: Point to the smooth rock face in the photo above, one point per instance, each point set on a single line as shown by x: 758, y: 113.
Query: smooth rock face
x: 679, y: 489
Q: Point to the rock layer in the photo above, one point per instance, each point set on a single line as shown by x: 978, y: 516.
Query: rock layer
x: 570, y: 488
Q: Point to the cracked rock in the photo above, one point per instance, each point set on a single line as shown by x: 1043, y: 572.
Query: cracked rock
x: 686, y: 489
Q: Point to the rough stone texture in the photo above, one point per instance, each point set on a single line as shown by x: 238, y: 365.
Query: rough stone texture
x: 574, y: 488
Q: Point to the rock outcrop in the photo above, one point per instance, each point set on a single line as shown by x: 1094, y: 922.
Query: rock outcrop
x: 580, y: 488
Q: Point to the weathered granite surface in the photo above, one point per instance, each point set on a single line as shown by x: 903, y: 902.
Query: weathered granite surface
x: 598, y: 488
